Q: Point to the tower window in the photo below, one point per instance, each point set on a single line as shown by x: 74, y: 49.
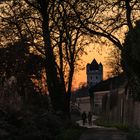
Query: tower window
x: 96, y: 77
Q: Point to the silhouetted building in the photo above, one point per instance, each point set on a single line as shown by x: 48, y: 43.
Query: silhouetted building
x: 94, y: 73
x: 82, y: 95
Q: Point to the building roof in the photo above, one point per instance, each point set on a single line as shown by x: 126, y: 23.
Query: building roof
x: 111, y: 83
x: 82, y: 92
x: 100, y: 64
x: 94, y: 65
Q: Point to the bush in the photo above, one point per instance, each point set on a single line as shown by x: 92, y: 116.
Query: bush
x: 29, y: 123
x: 70, y: 134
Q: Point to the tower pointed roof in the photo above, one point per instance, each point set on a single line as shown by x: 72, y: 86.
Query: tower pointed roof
x: 100, y: 64
x: 94, y: 65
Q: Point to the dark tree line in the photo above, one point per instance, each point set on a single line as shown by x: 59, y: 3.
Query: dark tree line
x: 17, y: 61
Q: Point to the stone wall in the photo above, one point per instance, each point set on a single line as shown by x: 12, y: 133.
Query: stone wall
x: 84, y: 104
x: 125, y: 110
x: 136, y: 118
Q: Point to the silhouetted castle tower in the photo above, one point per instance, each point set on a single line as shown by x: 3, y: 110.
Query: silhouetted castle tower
x: 94, y: 73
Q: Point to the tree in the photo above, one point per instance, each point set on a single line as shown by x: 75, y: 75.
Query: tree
x: 131, y: 51
x: 131, y: 59
x: 107, y: 21
x: 17, y: 61
x: 61, y: 34
x: 52, y: 32
x: 19, y: 18
x: 113, y: 61
x: 107, y: 18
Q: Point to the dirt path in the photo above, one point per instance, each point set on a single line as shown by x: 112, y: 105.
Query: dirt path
x: 103, y: 134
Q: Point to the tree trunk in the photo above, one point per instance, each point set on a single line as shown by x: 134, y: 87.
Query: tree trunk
x: 128, y: 14
x: 69, y: 90
x: 56, y: 90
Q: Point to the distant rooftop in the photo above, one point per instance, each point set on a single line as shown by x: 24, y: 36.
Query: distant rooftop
x: 94, y: 65
x: 113, y: 83
x: 81, y: 92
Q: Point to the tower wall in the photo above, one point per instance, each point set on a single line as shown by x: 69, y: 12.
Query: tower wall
x: 94, y: 76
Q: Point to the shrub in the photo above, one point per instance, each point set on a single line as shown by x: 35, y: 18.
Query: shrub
x: 70, y: 134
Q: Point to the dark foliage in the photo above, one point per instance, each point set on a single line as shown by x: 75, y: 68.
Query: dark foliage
x: 17, y: 61
x: 16, y: 58
x: 131, y: 52
x: 29, y: 123
x: 131, y: 59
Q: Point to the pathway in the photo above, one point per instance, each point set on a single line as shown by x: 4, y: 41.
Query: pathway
x: 100, y: 133
x: 80, y: 123
x: 103, y: 134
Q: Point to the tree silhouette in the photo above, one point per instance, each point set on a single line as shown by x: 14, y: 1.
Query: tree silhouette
x: 16, y: 61
x: 52, y: 33
x: 131, y: 58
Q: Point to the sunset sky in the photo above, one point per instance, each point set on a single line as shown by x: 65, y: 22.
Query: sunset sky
x: 99, y: 53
